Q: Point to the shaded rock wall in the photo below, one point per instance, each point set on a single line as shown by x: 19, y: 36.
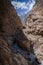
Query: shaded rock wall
x: 10, y: 29
x: 9, y: 18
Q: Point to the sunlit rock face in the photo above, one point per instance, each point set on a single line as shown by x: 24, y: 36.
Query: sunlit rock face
x: 34, y: 29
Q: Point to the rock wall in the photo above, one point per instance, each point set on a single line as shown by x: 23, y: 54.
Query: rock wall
x: 34, y: 29
x: 16, y: 48
x: 9, y: 18
x: 10, y: 33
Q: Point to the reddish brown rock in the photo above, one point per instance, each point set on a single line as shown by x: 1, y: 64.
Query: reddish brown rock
x: 10, y: 27
x: 10, y: 34
x: 9, y: 18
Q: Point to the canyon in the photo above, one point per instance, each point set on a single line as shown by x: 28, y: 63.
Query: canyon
x: 21, y: 45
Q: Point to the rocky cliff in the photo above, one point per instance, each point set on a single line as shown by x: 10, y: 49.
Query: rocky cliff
x: 8, y: 13
x: 34, y: 29
x: 10, y: 34
x: 16, y: 47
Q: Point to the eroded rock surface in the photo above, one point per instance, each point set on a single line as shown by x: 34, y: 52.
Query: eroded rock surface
x: 14, y: 45
x: 10, y: 29
x: 15, y: 48
x: 34, y: 29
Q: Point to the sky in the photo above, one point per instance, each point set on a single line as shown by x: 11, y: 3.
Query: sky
x: 23, y: 6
